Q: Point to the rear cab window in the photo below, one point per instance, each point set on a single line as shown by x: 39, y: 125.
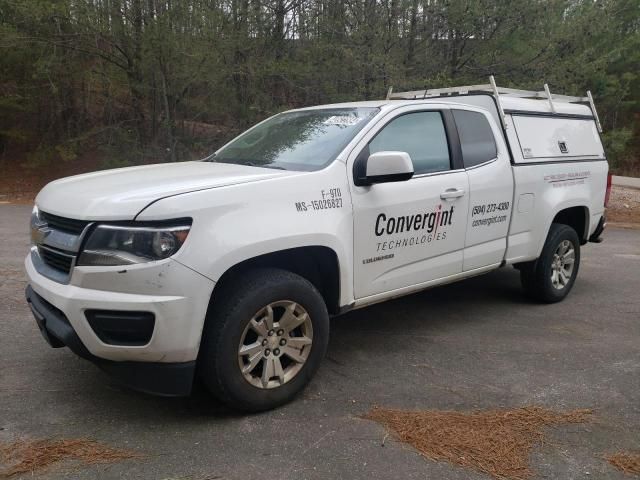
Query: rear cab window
x: 476, y: 137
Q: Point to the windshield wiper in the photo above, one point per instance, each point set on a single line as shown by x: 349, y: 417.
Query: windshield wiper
x: 245, y: 162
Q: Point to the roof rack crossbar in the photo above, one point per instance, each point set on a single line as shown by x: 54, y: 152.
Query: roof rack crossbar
x: 513, y: 92
x: 496, y: 91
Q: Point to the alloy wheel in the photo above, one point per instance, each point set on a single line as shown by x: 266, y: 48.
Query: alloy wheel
x: 275, y: 344
x: 562, y: 264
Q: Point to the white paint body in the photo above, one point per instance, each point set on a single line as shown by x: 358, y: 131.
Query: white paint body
x: 242, y: 212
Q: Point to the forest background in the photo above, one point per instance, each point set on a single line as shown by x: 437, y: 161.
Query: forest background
x: 88, y: 84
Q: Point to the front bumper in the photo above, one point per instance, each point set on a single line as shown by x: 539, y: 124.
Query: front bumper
x: 177, y: 297
x: 167, y: 379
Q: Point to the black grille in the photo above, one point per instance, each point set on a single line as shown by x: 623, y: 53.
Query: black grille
x: 69, y: 225
x: 58, y: 260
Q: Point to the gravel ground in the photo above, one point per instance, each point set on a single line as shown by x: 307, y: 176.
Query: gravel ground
x: 624, y: 205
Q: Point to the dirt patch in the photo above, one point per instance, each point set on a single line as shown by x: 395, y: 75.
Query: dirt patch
x: 626, y: 462
x: 30, y: 456
x: 495, y: 442
x: 624, y: 206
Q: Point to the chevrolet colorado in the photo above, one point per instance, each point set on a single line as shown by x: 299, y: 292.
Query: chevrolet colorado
x: 229, y: 268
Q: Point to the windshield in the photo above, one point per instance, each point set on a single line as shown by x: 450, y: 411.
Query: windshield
x: 305, y: 140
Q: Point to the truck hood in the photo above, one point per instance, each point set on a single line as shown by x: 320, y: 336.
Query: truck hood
x: 120, y: 194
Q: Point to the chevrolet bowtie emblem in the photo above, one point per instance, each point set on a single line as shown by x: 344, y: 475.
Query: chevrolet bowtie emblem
x: 39, y: 232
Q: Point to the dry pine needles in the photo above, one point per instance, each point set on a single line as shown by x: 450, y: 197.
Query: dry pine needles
x: 495, y: 442
x: 628, y: 463
x: 28, y: 456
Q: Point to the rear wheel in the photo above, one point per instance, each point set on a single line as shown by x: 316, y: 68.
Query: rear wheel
x: 550, y: 278
x: 265, y: 338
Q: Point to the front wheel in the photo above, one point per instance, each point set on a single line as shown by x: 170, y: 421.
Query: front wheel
x: 550, y: 278
x: 265, y: 338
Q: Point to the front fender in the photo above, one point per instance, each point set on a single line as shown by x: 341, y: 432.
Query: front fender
x: 240, y: 222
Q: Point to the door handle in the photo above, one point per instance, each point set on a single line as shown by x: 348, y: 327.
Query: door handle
x: 451, y: 193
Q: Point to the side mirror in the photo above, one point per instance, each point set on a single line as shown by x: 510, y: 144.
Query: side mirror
x: 383, y: 167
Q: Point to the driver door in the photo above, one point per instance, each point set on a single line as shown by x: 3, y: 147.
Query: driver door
x: 410, y: 232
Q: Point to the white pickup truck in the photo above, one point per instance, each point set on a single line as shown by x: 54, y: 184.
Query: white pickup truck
x: 228, y: 269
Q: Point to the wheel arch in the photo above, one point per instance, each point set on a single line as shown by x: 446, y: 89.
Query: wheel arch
x: 316, y: 263
x: 574, y: 216
x: 577, y: 218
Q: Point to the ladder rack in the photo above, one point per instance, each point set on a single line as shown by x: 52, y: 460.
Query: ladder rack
x: 496, y: 91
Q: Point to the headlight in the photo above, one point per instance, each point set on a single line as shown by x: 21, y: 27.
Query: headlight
x: 125, y: 245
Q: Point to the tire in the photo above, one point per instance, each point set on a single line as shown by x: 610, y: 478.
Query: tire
x: 266, y: 297
x: 549, y: 279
